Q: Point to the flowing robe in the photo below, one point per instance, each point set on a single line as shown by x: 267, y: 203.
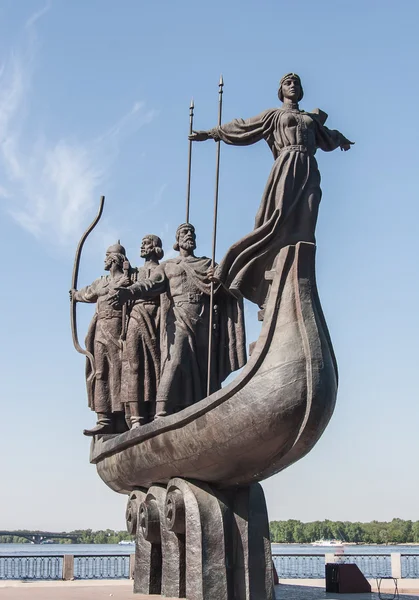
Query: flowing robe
x: 184, y: 322
x: 103, y: 341
x: 141, y: 357
x: 290, y: 202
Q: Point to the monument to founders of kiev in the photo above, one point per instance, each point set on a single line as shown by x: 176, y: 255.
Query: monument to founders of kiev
x: 188, y: 453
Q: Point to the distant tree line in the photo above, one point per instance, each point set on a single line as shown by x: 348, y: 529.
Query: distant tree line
x: 86, y: 536
x: 396, y: 531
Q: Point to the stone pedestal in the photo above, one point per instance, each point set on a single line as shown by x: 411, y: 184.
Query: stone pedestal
x: 196, y: 542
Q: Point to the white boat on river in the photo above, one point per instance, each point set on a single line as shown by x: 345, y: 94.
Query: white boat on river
x: 327, y: 543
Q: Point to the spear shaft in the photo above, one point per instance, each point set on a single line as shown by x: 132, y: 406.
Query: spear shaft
x: 125, y: 268
x: 214, y: 234
x: 188, y: 188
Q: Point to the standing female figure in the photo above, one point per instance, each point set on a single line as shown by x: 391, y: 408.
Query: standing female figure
x: 289, y: 207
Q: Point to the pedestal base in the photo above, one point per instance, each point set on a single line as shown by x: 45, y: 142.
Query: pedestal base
x: 196, y: 542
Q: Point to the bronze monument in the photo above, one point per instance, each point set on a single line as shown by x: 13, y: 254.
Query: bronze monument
x: 184, y: 283
x: 288, y: 210
x: 141, y: 352
x: 192, y: 474
x: 103, y: 342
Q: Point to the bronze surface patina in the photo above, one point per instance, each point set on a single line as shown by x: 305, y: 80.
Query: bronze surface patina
x: 289, y: 206
x: 141, y: 351
x: 185, y: 289
x: 187, y: 452
x: 103, y: 343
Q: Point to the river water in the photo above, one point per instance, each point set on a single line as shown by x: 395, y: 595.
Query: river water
x: 101, y: 549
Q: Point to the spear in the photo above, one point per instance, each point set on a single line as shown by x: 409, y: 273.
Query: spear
x: 123, y: 336
x: 188, y: 189
x: 214, y: 233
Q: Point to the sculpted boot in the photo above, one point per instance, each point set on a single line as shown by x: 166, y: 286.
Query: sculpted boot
x: 136, y: 419
x: 160, y: 409
x: 137, y: 422
x: 103, y: 425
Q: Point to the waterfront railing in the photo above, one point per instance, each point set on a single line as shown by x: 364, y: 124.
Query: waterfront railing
x: 288, y: 566
x: 31, y: 567
x: 102, y: 567
x: 299, y: 566
x: 373, y: 566
x: 410, y: 566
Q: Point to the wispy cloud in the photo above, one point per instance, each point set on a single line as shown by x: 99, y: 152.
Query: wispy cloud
x: 37, y: 15
x: 51, y: 186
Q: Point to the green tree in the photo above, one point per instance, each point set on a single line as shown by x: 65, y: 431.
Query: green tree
x: 299, y: 533
x: 400, y: 532
x: 339, y: 530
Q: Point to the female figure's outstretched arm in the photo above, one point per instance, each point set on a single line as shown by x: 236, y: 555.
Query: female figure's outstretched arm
x: 239, y: 132
x: 330, y: 139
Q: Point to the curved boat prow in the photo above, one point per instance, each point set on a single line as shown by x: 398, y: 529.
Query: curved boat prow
x: 267, y: 418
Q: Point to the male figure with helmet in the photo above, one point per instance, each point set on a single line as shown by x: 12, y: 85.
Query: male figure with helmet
x: 103, y: 340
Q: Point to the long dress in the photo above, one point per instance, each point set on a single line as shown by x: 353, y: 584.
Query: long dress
x: 290, y: 202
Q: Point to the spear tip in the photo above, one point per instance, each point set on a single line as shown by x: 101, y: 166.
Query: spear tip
x: 221, y: 83
x: 192, y: 105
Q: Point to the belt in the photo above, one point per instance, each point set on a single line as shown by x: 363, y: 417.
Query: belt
x: 146, y: 302
x: 189, y: 298
x: 109, y: 313
x: 295, y: 148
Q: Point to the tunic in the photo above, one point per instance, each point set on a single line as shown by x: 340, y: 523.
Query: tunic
x: 289, y: 205
x: 103, y: 341
x: 141, y: 363
x: 185, y: 329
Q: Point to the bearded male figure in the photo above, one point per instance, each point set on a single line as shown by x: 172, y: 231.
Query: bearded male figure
x: 141, y: 361
x: 185, y: 306
x: 103, y: 341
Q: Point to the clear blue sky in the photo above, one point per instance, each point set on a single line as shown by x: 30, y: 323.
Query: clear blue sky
x: 94, y: 100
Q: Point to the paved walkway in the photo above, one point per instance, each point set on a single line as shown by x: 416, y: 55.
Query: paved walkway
x: 122, y: 590
x: 70, y: 590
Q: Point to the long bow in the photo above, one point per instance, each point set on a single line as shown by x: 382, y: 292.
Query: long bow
x: 73, y: 312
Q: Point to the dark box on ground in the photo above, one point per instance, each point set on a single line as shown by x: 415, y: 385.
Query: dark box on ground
x: 345, y: 579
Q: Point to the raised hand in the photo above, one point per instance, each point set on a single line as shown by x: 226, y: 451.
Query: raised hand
x: 347, y: 146
x: 198, y: 136
x: 211, y: 275
x: 119, y: 297
x: 125, y: 281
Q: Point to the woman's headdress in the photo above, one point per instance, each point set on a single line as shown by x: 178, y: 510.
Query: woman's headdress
x: 290, y: 76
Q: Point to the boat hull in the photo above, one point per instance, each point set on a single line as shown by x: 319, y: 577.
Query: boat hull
x: 270, y: 416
